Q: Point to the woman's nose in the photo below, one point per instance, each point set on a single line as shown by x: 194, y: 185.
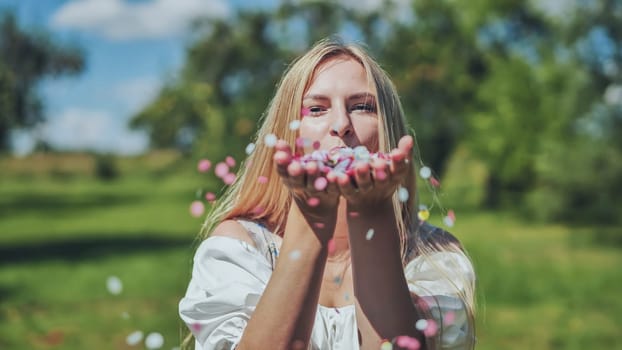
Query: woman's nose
x: 342, y: 126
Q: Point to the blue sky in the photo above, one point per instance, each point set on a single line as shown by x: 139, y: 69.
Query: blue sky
x: 131, y: 47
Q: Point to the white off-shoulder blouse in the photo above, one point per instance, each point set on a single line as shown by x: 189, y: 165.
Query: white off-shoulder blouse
x: 229, y: 277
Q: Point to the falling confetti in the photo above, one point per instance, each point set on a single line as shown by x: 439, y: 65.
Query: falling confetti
x: 250, y: 148
x: 270, y: 140
x: 320, y: 183
x: 262, y: 179
x: 210, y: 197
x: 423, y: 214
x: 295, y: 254
x: 386, y: 345
x: 319, y: 225
x: 451, y: 215
x: 221, y: 170
x: 331, y: 246
x: 305, y: 111
x: 114, y: 285
x: 402, y: 194
x: 154, y: 340
x: 294, y: 125
x: 421, y: 324
x: 410, y: 343
x: 134, y: 338
x: 370, y: 234
x: 430, y: 329
x: 449, y: 318
x: 354, y: 214
x: 313, y: 201
x: 197, y: 208
x: 381, y: 175
x: 229, y: 178
x: 204, y: 165
x: 434, y: 182
x: 230, y: 161
x: 196, y: 327
x: 447, y: 221
x: 316, y: 145
x: 425, y: 172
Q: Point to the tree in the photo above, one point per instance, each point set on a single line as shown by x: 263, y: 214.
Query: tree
x: 25, y: 59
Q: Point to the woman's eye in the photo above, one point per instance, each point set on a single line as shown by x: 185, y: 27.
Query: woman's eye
x: 366, y: 107
x: 316, y: 110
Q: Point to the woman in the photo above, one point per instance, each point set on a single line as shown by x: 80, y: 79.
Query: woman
x: 293, y: 262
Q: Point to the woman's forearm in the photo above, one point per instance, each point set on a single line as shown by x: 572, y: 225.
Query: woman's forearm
x: 286, y: 311
x: 384, y: 305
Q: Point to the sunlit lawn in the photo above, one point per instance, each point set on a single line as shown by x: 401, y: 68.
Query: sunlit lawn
x: 540, y: 286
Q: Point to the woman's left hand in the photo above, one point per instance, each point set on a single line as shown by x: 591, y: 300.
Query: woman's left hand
x: 370, y: 185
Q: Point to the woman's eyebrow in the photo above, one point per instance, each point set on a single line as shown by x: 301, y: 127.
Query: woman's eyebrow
x: 362, y: 95
x: 316, y: 97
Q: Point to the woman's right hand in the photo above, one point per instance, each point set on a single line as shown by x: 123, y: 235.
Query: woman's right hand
x: 316, y: 201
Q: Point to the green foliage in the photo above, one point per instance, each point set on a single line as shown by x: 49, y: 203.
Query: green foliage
x: 25, y: 59
x: 515, y: 83
x: 61, y: 241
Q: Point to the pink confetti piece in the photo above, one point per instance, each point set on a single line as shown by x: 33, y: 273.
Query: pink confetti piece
x: 451, y: 215
x: 204, y: 165
x: 230, y: 161
x: 229, y: 178
x: 197, y: 208
x: 319, y: 225
x: 354, y: 214
x: 331, y: 246
x: 258, y: 210
x: 300, y: 142
x: 407, y: 342
x: 210, y: 197
x: 313, y: 201
x: 320, y: 183
x: 434, y: 182
x: 431, y: 328
x: 305, y: 111
x: 196, y: 327
x: 221, y: 170
x: 262, y: 179
x: 449, y: 318
x: 316, y: 145
x: 381, y: 175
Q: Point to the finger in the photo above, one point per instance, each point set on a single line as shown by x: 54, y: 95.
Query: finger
x: 282, y: 160
x: 332, y: 186
x: 362, y: 177
x: 380, y: 171
x: 312, y: 171
x: 346, y: 185
x: 295, y: 174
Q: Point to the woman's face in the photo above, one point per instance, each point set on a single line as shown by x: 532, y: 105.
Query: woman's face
x: 339, y: 108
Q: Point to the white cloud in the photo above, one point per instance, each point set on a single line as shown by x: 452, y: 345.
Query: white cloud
x: 84, y: 129
x: 137, y: 92
x: 123, y: 20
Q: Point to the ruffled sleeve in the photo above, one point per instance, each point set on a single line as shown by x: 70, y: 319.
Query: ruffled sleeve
x: 438, y: 279
x: 228, y: 278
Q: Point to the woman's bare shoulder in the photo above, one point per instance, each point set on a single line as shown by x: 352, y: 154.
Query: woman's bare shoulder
x: 232, y: 229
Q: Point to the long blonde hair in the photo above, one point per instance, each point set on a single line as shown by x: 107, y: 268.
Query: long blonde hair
x: 271, y: 203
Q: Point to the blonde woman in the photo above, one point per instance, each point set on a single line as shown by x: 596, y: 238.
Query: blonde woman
x: 288, y: 264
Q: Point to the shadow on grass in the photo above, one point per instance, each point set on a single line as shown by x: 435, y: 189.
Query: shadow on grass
x: 53, y: 204
x: 87, y: 248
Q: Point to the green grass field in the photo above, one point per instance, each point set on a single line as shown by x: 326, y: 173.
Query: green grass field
x: 63, y: 233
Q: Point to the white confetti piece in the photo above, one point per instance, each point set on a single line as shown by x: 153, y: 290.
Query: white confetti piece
x: 295, y: 255
x: 402, y: 194
x: 154, y: 340
x: 421, y: 324
x: 425, y: 172
x: 370, y: 234
x: 270, y: 140
x: 114, y: 285
x: 294, y: 125
x: 250, y: 148
x: 134, y: 338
